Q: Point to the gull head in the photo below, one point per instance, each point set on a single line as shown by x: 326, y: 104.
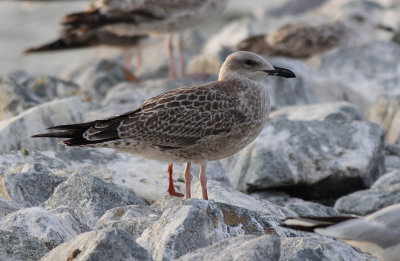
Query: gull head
x: 245, y: 65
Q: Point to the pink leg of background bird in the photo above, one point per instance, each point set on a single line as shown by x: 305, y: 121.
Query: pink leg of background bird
x: 172, y: 74
x: 181, y: 71
x: 127, y: 65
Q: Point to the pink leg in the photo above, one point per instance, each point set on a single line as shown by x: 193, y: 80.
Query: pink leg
x: 171, y: 189
x: 203, y: 180
x: 171, y: 58
x: 127, y: 59
x: 127, y: 65
x: 181, y: 71
x: 138, y: 58
x: 188, y: 180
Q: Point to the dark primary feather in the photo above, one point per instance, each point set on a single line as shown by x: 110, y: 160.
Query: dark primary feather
x: 81, y: 39
x: 94, y: 18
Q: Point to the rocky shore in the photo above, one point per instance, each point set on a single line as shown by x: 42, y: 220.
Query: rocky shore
x: 332, y: 147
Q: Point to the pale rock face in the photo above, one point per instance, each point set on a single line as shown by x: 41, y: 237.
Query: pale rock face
x: 105, y: 244
x: 384, y: 192
x: 313, y: 152
x: 15, y: 132
x: 84, y: 194
x: 39, y: 223
x: 312, y: 248
x: 376, y: 74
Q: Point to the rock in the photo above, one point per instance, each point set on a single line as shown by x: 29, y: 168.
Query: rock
x: 318, y: 248
x: 343, y: 111
x: 392, y: 149
x: 194, y: 224
x: 384, y: 192
x: 49, y: 88
x: 15, y: 98
x: 68, y: 216
x: 224, y: 194
x: 392, y: 162
x: 309, y: 86
x: 183, y: 229
x: 40, y: 224
x: 248, y: 248
x: 30, y: 187
x: 18, y: 245
x: 215, y: 171
x: 122, y: 169
x: 317, y: 159
x: 101, y: 245
x: 7, y: 207
x: 296, y: 205
x: 386, y: 112
x: 392, y: 157
x: 396, y: 37
x: 132, y: 219
x: 376, y: 76
x: 15, y: 132
x: 306, y: 208
x: 97, y: 76
x: 90, y: 197
x: 230, y: 35
x: 390, y: 178
x: 294, y: 7
x: 204, y: 64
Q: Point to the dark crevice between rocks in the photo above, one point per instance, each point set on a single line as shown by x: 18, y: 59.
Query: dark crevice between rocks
x: 325, y: 192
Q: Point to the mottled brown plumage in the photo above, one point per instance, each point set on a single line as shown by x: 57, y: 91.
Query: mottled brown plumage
x: 189, y: 124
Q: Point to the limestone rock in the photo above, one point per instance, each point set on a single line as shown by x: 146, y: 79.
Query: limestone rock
x: 195, y: 223
x: 317, y: 159
x: 318, y: 248
x: 100, y: 245
x: 7, y: 207
x: 309, y: 86
x: 48, y: 88
x: 224, y: 194
x: 97, y: 76
x: 246, y: 248
x: 18, y: 245
x: 40, y: 224
x: 90, y: 197
x: 384, y: 192
x: 15, y: 132
x: 343, y: 111
x: 183, y: 229
x: 15, y: 98
x: 30, y: 187
x: 376, y: 76
x: 132, y: 219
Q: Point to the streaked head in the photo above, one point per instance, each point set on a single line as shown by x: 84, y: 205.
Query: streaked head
x: 246, y: 65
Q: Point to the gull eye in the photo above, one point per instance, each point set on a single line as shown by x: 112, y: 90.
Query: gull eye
x: 250, y: 62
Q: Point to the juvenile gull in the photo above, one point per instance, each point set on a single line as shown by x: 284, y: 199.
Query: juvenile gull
x: 377, y: 233
x: 305, y: 39
x: 189, y: 124
x: 126, y: 22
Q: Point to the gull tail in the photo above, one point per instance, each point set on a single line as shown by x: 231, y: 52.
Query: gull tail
x: 73, y: 133
x: 60, y: 44
x: 309, y: 224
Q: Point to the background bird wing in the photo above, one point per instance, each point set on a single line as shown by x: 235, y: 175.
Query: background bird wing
x: 176, y: 118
